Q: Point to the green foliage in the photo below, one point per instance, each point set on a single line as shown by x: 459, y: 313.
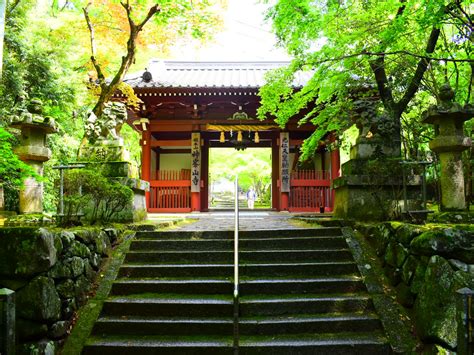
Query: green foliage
x: 98, y: 197
x: 253, y: 166
x: 349, y: 47
x: 12, y: 170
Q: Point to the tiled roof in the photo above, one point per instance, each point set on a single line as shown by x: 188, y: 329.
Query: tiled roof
x: 182, y: 74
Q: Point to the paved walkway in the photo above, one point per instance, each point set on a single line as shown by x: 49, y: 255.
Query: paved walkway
x: 248, y: 220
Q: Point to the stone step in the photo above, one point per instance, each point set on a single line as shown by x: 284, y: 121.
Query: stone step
x: 244, y: 244
x: 183, y: 286
x: 210, y: 305
x: 225, y: 270
x: 184, y: 256
x: 304, y: 304
x: 165, y: 305
x: 140, y: 345
x: 351, y: 343
x: 314, y: 344
x: 293, y: 324
x: 244, y: 234
x: 246, y: 287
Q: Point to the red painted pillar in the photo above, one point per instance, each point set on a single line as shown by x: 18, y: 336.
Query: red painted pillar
x: 195, y: 172
x: 335, y: 169
x: 275, y: 175
x: 205, y: 176
x: 146, y: 161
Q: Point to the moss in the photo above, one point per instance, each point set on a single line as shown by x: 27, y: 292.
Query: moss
x: 89, y: 313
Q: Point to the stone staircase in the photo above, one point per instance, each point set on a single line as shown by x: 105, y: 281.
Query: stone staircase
x: 301, y: 293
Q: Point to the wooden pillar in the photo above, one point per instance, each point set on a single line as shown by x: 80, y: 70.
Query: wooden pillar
x: 284, y: 171
x: 146, y: 161
x: 195, y: 171
x: 275, y: 175
x: 205, y: 176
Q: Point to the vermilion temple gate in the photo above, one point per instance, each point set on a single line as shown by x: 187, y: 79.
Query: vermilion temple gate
x: 189, y: 107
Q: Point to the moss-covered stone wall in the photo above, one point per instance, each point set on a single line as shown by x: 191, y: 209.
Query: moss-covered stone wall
x: 52, y: 273
x: 427, y: 265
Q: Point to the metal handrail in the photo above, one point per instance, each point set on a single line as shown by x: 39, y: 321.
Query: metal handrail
x: 236, y: 267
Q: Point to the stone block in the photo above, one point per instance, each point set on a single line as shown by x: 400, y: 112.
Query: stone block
x: 43, y: 347
x: 68, y: 307
x: 395, y: 254
x: 26, y: 251
x: 77, y: 266
x: 404, y: 295
x: 102, y: 243
x: 39, y: 300
x: 66, y: 289
x: 59, y: 329
x: 79, y: 249
x: 407, y: 232
x: 435, y: 306
x: 28, y: 330
x: 452, y: 243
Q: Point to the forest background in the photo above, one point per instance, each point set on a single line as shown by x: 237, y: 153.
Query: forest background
x: 402, y: 50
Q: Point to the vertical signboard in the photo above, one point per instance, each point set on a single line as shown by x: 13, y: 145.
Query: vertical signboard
x: 285, y: 161
x: 195, y: 162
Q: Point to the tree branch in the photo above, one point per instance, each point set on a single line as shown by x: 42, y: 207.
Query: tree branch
x: 378, y: 68
x: 90, y: 26
x: 420, y: 70
x: 108, y: 89
x: 11, y: 8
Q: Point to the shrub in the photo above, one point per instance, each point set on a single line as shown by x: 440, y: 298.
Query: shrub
x: 90, y: 193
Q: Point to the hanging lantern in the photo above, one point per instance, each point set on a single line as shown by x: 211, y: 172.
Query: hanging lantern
x: 239, y: 136
x: 222, y: 137
x: 257, y: 138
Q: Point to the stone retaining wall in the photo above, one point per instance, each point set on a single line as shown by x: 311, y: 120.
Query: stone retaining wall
x: 52, y: 273
x: 426, y: 264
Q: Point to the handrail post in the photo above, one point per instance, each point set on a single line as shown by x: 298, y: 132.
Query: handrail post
x: 236, y: 267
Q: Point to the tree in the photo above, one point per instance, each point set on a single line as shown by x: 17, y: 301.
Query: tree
x: 352, y: 46
x: 183, y: 16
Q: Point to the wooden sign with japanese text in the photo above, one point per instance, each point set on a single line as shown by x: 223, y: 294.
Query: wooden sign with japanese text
x: 285, y: 161
x: 195, y: 162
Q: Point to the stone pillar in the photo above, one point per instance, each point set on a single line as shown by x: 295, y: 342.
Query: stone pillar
x: 448, y: 117
x: 465, y: 341
x: 195, y: 171
x: 284, y: 170
x: 7, y: 321
x: 33, y: 151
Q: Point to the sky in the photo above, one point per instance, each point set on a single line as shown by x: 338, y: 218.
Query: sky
x: 245, y: 36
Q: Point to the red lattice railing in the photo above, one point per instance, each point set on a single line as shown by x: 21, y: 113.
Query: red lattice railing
x: 171, y: 191
x: 310, y: 191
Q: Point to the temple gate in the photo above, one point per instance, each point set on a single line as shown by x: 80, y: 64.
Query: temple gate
x: 189, y: 107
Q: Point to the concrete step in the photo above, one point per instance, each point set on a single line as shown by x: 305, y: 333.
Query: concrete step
x: 184, y: 256
x: 246, y: 287
x: 245, y: 234
x: 225, y: 270
x: 283, y: 243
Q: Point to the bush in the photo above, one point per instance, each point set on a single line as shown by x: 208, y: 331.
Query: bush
x: 98, y: 198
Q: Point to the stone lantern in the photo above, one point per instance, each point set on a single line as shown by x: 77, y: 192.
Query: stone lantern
x: 448, y: 118
x: 33, y: 151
